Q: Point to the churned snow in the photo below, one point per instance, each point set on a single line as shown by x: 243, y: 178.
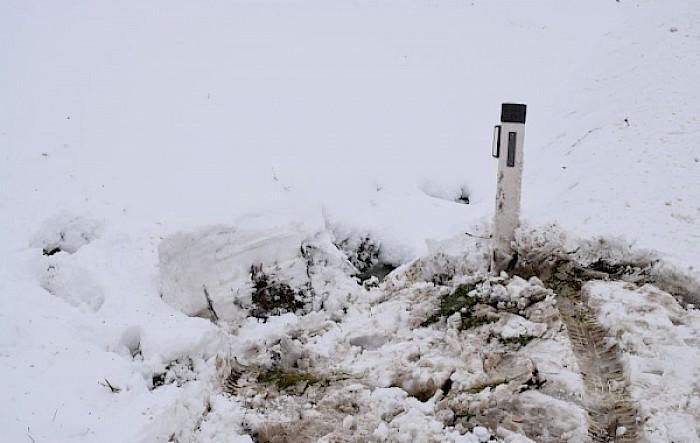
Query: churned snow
x: 158, y: 157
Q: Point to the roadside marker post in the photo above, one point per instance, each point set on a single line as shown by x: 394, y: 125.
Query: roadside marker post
x: 508, y: 142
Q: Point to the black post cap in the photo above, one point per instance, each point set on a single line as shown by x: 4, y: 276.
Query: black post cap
x: 513, y: 113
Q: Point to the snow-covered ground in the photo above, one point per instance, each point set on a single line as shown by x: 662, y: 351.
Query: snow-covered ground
x: 152, y: 151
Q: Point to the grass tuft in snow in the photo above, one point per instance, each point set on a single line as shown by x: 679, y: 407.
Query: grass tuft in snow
x: 492, y: 384
x: 521, y: 340
x: 271, y: 297
x: 364, y: 254
x: 456, y: 302
x: 474, y: 321
x: 286, y: 378
x: 178, y: 371
x: 460, y: 302
x: 567, y: 278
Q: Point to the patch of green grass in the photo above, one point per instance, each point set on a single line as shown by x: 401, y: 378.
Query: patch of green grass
x: 521, y: 340
x: 567, y: 278
x: 480, y: 387
x: 460, y: 302
x: 285, y: 378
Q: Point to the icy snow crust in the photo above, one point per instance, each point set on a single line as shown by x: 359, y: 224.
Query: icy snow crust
x: 153, y: 153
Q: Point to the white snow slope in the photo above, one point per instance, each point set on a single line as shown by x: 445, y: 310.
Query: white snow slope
x: 158, y: 148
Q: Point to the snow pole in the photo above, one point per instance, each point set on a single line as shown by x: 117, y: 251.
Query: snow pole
x: 508, y: 142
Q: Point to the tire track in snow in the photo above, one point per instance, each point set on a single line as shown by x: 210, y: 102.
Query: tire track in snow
x: 612, y: 415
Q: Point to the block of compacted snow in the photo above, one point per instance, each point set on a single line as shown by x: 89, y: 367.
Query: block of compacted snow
x: 219, y: 259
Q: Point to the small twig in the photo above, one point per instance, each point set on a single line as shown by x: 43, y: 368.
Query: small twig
x: 29, y: 434
x: 476, y: 236
x: 213, y: 316
x: 109, y: 385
